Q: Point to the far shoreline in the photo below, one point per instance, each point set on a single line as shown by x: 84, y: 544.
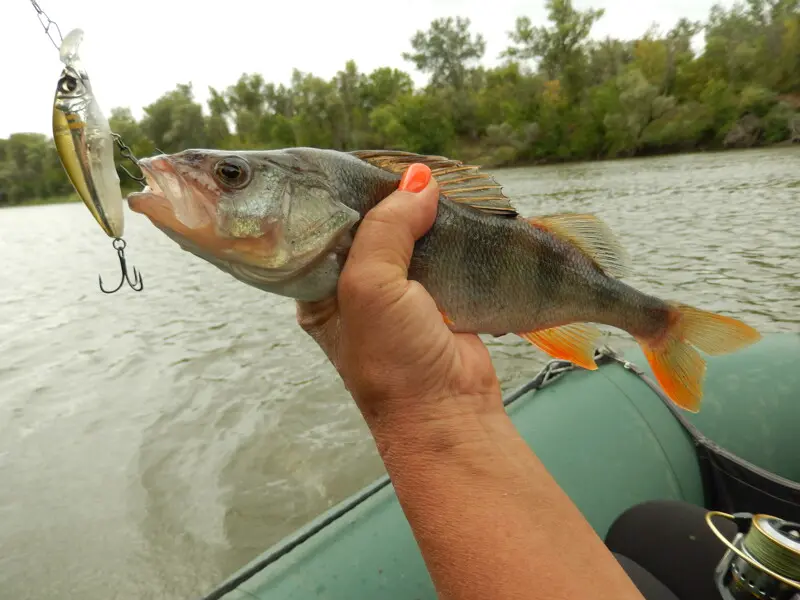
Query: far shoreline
x: 74, y: 198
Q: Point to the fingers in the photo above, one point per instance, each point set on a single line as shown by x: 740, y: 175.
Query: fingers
x: 376, y: 270
x: 383, y: 244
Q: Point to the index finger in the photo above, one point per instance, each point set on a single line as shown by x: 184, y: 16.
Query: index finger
x: 382, y: 246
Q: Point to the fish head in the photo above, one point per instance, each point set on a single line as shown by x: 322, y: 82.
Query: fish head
x: 268, y: 209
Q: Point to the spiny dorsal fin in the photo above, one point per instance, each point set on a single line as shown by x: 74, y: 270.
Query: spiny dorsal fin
x: 592, y: 236
x: 458, y: 182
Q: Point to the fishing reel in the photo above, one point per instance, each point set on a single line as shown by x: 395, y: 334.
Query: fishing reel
x: 762, y: 561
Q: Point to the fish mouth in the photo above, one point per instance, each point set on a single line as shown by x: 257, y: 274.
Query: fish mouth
x: 152, y: 186
x: 167, y: 188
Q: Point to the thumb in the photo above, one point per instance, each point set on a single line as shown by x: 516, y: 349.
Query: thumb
x: 382, y: 247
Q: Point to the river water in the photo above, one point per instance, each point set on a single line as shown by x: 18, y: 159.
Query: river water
x: 152, y: 443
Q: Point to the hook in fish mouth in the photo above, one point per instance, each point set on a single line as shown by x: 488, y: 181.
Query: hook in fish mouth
x: 167, y: 186
x: 149, y: 166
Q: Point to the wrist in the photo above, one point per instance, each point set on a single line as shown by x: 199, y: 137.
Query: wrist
x: 432, y: 429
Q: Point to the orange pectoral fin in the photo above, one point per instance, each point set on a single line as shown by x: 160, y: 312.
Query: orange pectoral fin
x: 573, y: 342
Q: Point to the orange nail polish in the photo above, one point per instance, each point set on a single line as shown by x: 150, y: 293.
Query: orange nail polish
x: 416, y: 178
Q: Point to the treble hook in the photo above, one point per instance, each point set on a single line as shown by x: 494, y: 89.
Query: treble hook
x: 138, y: 282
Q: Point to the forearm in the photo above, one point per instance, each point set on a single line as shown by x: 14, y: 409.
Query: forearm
x: 489, y: 519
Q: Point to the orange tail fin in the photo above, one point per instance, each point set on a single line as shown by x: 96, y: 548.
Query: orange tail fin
x: 677, y: 366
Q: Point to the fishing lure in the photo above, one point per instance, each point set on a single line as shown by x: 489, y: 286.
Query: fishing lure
x: 85, y: 145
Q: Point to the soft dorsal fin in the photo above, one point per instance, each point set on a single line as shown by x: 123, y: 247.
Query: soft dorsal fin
x: 458, y: 182
x: 590, y: 235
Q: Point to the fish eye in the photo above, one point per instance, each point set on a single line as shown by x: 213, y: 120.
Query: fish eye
x: 68, y: 84
x: 232, y: 172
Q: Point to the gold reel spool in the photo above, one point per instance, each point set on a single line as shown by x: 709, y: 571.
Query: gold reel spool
x: 762, y: 562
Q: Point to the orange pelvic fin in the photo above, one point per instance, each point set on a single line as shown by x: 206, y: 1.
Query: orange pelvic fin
x: 677, y: 366
x: 573, y: 342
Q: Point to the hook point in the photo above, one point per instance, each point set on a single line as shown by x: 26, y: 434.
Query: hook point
x: 138, y: 281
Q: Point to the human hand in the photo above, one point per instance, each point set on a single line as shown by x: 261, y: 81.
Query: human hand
x: 385, y: 335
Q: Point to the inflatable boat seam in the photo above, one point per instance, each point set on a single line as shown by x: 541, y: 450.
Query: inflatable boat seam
x: 665, y: 454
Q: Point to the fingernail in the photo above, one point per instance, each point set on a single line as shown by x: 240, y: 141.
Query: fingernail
x: 416, y: 178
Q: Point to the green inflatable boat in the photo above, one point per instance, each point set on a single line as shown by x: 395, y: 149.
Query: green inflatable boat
x: 611, y: 440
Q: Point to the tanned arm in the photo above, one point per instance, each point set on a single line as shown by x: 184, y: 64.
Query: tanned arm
x: 491, y: 522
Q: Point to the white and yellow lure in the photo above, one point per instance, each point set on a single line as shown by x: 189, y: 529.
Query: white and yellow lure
x: 84, y: 141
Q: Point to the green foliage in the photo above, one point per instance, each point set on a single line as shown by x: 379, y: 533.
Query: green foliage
x: 560, y: 48
x: 446, y: 51
x: 30, y: 169
x: 778, y: 123
x: 416, y: 123
x: 559, y: 95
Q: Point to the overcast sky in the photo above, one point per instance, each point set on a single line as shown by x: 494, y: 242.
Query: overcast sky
x: 158, y: 43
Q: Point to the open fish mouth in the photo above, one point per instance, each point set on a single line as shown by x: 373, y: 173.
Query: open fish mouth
x: 166, y: 186
x: 157, y: 173
x: 152, y: 186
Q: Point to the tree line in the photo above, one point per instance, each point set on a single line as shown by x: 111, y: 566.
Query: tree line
x: 557, y: 95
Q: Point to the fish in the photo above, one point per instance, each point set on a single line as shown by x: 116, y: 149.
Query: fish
x: 84, y: 141
x: 283, y: 221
